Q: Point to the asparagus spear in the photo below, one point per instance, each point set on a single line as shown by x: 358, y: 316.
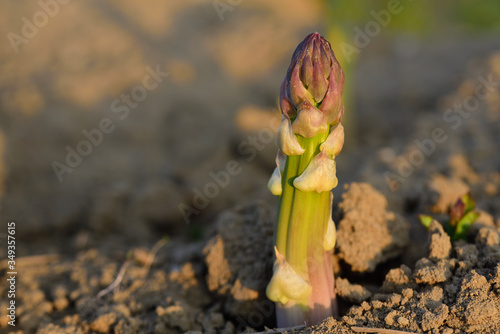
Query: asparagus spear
x: 309, y: 138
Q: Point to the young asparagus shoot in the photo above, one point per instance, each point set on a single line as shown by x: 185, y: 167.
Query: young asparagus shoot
x: 461, y: 217
x: 309, y: 138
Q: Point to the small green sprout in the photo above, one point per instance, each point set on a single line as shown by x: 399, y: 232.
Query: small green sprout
x: 309, y: 138
x: 462, y: 215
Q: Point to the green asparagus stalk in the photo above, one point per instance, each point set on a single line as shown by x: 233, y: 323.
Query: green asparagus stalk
x: 309, y: 138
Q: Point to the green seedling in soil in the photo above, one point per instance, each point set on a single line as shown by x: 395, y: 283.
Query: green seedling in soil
x: 461, y: 217
x: 309, y: 138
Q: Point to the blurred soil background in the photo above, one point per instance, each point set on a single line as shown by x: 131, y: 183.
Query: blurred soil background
x: 180, y: 100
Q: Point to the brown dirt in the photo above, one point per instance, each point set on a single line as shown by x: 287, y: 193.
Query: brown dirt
x: 240, y: 258
x: 63, y: 297
x: 367, y: 233
x: 447, y: 191
x: 443, y: 294
x: 354, y: 293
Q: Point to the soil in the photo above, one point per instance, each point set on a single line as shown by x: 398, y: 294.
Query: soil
x: 452, y: 290
x: 368, y: 234
x: 90, y: 252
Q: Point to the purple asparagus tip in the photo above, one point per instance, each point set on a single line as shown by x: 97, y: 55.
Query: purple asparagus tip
x: 316, y: 79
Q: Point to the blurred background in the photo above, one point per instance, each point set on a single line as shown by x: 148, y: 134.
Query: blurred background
x: 122, y: 121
